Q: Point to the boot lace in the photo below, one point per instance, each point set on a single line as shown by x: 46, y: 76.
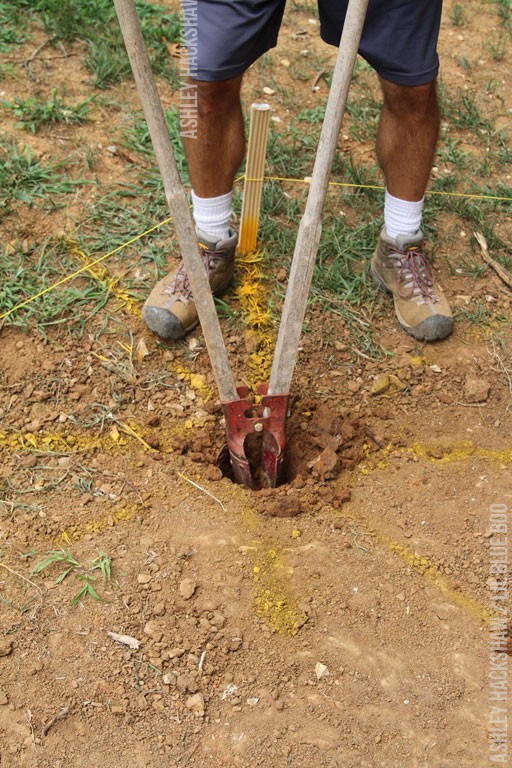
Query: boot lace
x: 181, y: 283
x: 415, y: 275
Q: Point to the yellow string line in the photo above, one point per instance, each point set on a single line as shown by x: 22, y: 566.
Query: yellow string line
x: 239, y: 178
x: 375, y: 186
x: 84, y: 268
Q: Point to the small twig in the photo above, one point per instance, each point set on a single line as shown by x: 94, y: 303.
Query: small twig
x: 64, y: 712
x: 28, y: 715
x: 129, y: 431
x: 469, y: 405
x: 362, y: 354
x: 317, y: 79
x: 373, y: 437
x: 186, y: 758
x: 20, y: 576
x: 502, y: 366
x: 203, y: 490
x: 39, y: 48
x: 498, y: 268
x: 201, y: 661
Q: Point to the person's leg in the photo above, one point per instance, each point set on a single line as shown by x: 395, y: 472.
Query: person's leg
x: 215, y: 153
x: 406, y: 142
x: 407, y: 137
x: 224, y: 38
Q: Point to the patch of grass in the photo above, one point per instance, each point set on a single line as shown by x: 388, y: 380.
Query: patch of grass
x: 25, y: 179
x: 479, y: 313
x: 14, y: 25
x: 497, y: 48
x: 95, y: 22
x: 121, y: 215
x: 64, y: 559
x: 464, y: 63
x: 305, y: 7
x: 32, y: 113
x: 463, y: 110
x: 136, y: 139
x: 457, y: 15
x: 27, y: 272
x: 504, y: 10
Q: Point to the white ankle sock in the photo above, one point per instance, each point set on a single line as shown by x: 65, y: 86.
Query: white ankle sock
x: 401, y: 217
x: 212, y: 214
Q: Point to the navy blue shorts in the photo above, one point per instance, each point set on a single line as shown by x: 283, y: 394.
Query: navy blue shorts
x: 399, y: 38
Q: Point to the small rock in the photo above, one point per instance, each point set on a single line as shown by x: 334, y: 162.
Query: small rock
x: 235, y: 643
x: 176, y: 653
x: 169, y: 678
x: 253, y: 701
x: 218, y: 620
x: 321, y: 671
x: 381, y: 384
x: 445, y: 397
x: 4, y: 699
x: 187, y: 588
x: 143, y: 578
x: 196, y: 704
x: 279, y: 705
x: 153, y: 631
x: 6, y: 647
x: 268, y: 91
x: 159, y: 609
x: 476, y: 390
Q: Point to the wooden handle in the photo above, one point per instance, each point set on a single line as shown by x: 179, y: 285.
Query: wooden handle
x: 310, y: 229
x: 176, y: 197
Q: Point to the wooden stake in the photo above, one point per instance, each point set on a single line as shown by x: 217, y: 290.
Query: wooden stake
x: 256, y: 153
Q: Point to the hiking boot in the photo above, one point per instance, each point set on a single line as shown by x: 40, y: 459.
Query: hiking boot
x: 169, y: 310
x: 400, y: 267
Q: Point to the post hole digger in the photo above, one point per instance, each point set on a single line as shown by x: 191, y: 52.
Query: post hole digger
x: 243, y: 417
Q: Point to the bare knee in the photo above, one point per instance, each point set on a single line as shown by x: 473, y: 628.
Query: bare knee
x: 215, y: 97
x: 415, y: 102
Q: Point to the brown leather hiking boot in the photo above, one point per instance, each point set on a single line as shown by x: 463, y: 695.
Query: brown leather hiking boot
x: 401, y: 268
x: 169, y: 310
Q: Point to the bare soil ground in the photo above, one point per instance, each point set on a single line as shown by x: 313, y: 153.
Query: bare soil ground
x: 340, y: 620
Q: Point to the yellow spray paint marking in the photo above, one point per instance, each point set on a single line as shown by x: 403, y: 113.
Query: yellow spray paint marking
x: 196, y: 380
x: 110, y: 282
x: 462, y: 451
x: 253, y: 296
x: 117, y: 438
x: 422, y: 565
x: 449, y: 453
x: 274, y: 602
x: 53, y: 441
x: 98, y: 524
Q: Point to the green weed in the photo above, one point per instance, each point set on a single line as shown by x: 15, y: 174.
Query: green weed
x: 65, y: 559
x: 457, y: 15
x: 25, y: 179
x: 32, y: 113
x: 95, y: 22
x: 13, y: 25
x: 504, y: 9
x: 137, y: 139
x: 498, y: 48
x: 25, y: 273
x: 463, y: 110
